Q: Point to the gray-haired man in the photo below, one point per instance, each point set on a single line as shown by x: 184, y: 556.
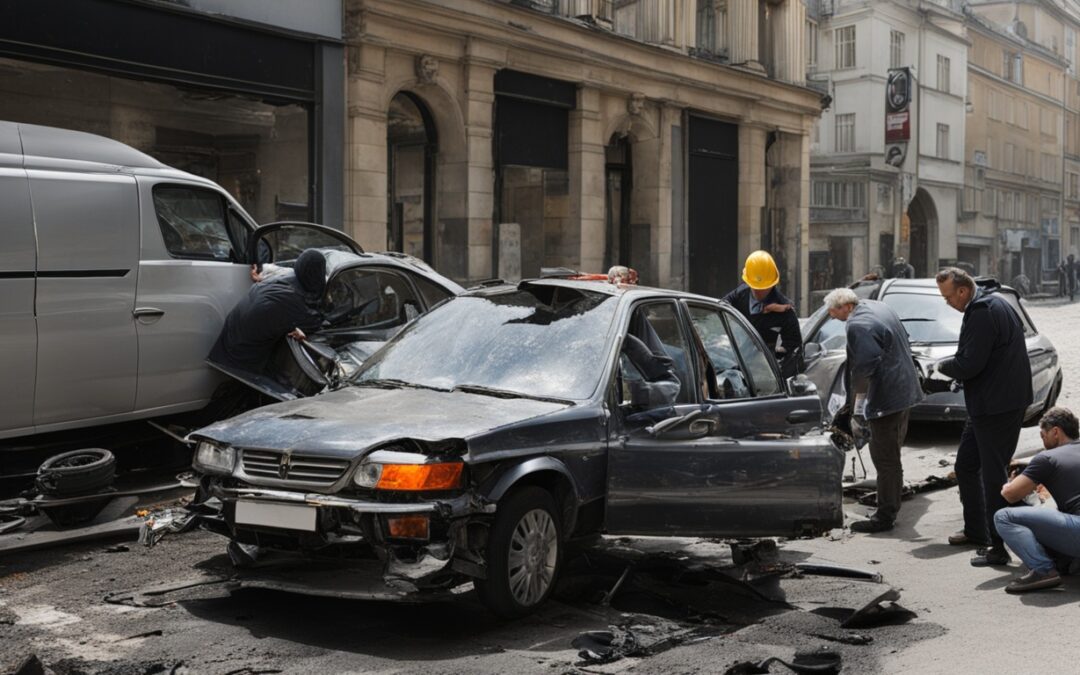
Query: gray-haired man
x: 879, y: 363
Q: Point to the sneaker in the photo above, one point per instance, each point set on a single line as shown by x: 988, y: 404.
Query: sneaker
x: 872, y: 525
x: 985, y: 557
x: 961, y: 539
x: 1033, y: 582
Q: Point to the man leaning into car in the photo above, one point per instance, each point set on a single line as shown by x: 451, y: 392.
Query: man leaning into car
x: 991, y: 362
x: 272, y: 309
x: 879, y: 362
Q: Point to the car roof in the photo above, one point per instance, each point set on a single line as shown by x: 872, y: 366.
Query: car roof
x: 630, y: 291
x: 340, y: 260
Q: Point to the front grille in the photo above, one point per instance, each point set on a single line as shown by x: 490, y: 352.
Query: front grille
x: 287, y: 467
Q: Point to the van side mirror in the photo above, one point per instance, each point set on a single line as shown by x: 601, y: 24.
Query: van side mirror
x: 812, y: 350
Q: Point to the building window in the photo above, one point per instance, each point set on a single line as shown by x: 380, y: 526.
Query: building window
x: 1070, y: 49
x: 845, y: 133
x: 712, y: 26
x: 1010, y: 158
x: 845, y: 47
x: 1022, y: 114
x: 989, y: 204
x: 1049, y: 167
x: 1012, y: 66
x: 1074, y: 185
x: 943, y: 65
x: 645, y: 20
x: 1048, y: 121
x: 1029, y: 164
x: 811, y: 43
x: 943, y: 141
x: 971, y: 199
x: 839, y: 194
x: 995, y: 105
x: 896, y: 49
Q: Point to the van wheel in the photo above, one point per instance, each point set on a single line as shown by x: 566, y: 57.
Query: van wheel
x: 524, y: 553
x: 76, y: 473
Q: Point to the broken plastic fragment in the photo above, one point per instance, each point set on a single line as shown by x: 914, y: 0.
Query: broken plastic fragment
x: 157, y: 525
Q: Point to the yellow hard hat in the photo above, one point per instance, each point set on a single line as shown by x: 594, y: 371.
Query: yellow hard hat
x: 760, y: 272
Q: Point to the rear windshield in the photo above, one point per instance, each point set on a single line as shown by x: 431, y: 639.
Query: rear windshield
x: 926, y: 317
x: 544, y: 342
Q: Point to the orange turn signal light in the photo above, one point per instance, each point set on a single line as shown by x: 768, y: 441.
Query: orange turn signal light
x: 407, y: 527
x: 442, y: 476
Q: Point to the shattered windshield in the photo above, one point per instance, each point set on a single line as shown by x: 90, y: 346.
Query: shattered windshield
x: 926, y: 316
x: 544, y: 341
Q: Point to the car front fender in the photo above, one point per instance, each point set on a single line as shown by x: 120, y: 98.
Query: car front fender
x: 495, y: 488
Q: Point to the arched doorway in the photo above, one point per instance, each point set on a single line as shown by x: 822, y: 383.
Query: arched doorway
x: 411, y: 146
x: 923, y: 215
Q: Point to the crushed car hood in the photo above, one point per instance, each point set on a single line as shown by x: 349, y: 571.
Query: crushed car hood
x: 349, y: 421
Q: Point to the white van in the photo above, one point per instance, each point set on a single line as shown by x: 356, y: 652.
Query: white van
x: 116, y: 273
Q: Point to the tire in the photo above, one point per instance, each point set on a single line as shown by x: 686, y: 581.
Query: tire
x: 524, y: 553
x: 79, y: 472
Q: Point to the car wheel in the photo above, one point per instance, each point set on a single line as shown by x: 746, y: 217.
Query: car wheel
x: 76, y: 473
x: 524, y: 553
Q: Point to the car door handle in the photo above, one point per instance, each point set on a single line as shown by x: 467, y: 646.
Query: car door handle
x: 147, y: 315
x: 800, y: 417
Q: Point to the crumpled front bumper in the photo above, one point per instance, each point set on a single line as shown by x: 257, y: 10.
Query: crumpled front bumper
x: 350, y: 523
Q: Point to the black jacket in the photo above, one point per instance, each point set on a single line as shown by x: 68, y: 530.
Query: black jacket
x: 269, y: 311
x: 878, y: 351
x: 991, y: 358
x: 771, y: 324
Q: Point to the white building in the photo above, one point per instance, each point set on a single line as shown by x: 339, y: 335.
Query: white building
x: 865, y: 212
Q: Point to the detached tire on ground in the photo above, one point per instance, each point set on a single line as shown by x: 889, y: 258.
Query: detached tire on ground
x: 524, y: 553
x: 79, y: 472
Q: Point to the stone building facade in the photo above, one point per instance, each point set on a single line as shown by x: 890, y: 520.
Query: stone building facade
x: 495, y: 138
x: 866, y: 210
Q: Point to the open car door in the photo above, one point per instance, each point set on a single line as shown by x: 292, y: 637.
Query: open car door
x: 282, y: 242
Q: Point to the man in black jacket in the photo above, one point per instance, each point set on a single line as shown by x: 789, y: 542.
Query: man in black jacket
x: 992, y: 363
x: 271, y: 310
x: 759, y: 299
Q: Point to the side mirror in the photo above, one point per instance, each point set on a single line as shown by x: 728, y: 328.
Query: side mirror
x: 812, y: 350
x: 800, y: 385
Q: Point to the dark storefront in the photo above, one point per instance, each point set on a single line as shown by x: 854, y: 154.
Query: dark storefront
x: 256, y: 108
x: 532, y: 167
x: 713, y: 207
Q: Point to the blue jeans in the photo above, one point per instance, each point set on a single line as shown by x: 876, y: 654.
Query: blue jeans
x: 1029, y: 530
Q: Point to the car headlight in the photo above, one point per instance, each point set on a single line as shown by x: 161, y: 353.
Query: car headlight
x: 410, y: 477
x: 210, y: 458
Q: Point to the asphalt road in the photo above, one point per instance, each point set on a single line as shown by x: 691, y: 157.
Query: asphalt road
x: 682, y: 596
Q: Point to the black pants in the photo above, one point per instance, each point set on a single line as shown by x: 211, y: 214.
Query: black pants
x: 887, y: 435
x: 982, y: 465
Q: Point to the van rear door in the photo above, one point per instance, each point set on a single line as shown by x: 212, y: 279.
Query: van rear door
x: 88, y: 258
x: 18, y: 334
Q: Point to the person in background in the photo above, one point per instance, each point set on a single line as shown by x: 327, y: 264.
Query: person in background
x: 991, y: 362
x: 879, y: 363
x: 1030, y: 531
x: 902, y: 269
x: 770, y: 312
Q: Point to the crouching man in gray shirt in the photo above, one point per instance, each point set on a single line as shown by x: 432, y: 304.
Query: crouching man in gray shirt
x: 1028, y: 530
x: 879, y: 363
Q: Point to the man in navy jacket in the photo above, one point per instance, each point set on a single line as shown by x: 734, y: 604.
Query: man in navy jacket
x: 992, y: 363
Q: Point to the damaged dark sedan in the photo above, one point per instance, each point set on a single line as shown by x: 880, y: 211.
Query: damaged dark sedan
x: 488, y: 433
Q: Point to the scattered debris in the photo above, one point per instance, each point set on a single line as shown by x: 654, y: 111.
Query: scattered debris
x: 10, y: 522
x: 827, y: 570
x: 119, y: 548
x: 873, y: 614
x: 642, y: 636
x: 138, y: 636
x: 156, y: 525
x: 868, y: 497
x: 32, y: 665
x: 846, y: 638
x: 817, y: 661
x: 606, y: 602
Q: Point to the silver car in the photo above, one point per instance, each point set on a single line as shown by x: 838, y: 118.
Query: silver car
x: 934, y: 329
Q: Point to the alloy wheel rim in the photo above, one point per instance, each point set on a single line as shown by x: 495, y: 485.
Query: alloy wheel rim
x: 534, y: 548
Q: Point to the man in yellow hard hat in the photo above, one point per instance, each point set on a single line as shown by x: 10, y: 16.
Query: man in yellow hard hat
x: 759, y: 299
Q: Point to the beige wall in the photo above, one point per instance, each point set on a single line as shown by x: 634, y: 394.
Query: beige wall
x: 625, y: 87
